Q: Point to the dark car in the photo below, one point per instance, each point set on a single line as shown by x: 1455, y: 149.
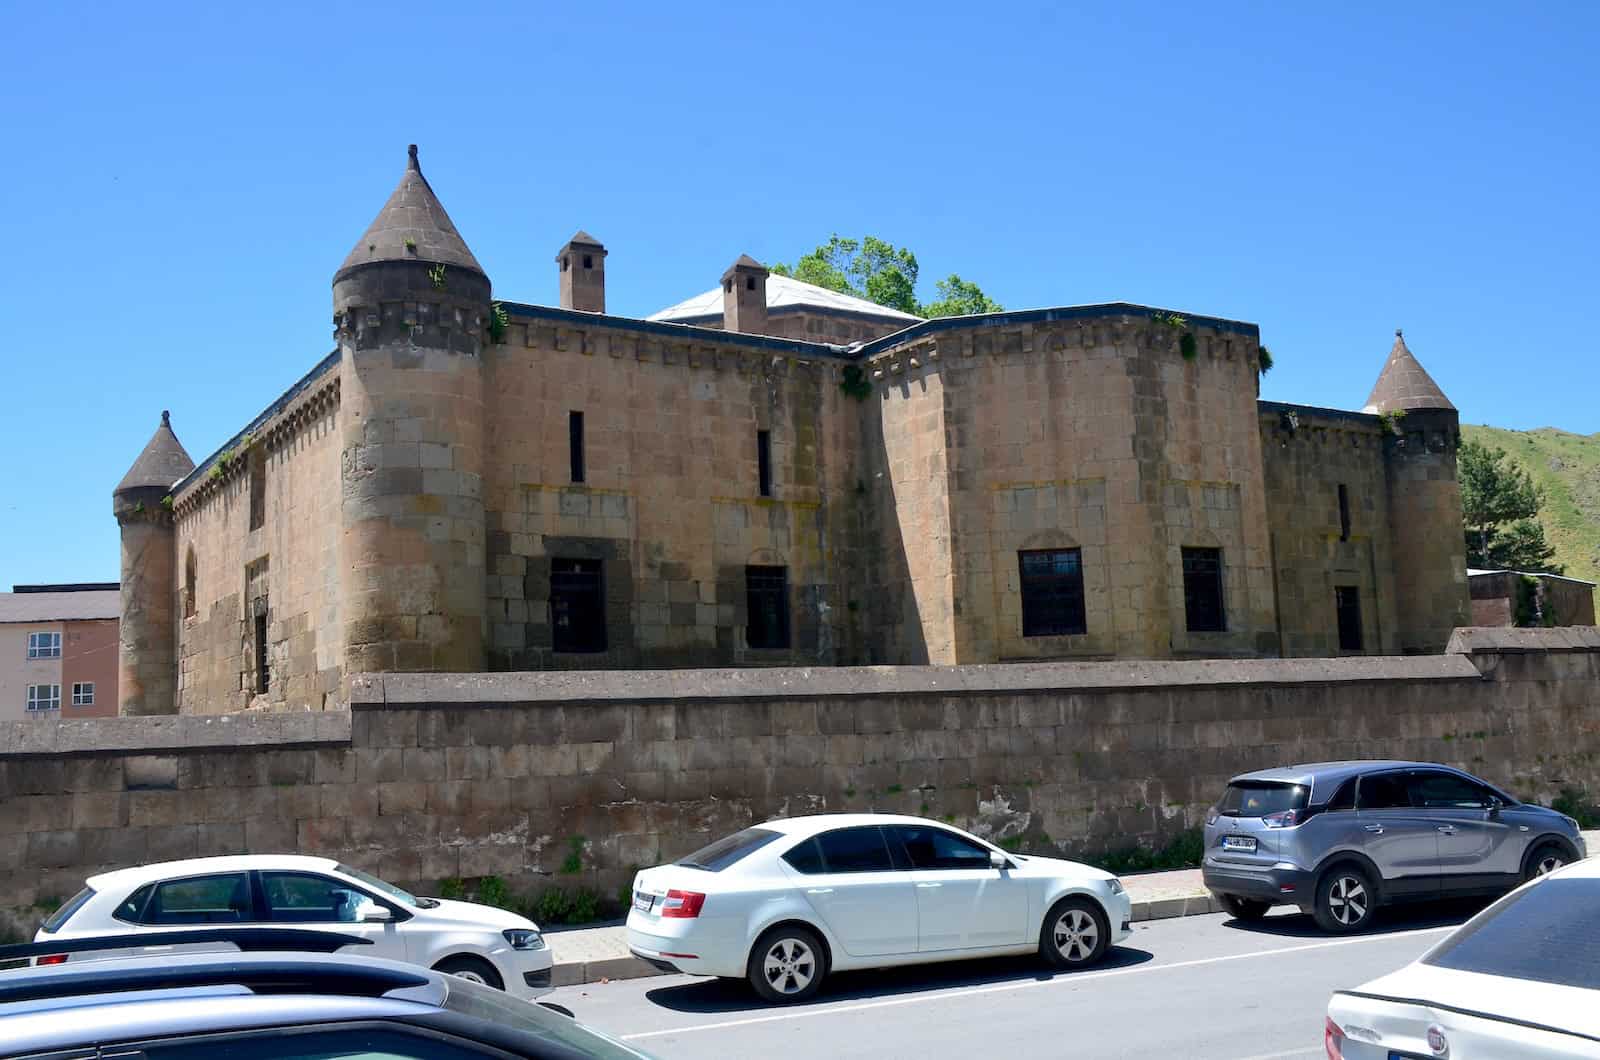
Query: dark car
x: 1339, y: 839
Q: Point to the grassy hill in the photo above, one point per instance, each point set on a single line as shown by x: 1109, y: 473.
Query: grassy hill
x: 1567, y: 468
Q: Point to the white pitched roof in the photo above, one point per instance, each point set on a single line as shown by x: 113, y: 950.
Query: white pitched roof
x: 782, y: 293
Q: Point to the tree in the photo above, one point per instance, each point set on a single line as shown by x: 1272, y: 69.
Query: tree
x: 883, y: 273
x: 1499, y: 503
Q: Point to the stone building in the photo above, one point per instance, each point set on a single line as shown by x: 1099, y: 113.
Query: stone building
x: 1529, y: 598
x: 769, y: 473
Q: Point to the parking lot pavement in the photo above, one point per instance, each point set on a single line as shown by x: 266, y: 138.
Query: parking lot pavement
x: 1201, y: 986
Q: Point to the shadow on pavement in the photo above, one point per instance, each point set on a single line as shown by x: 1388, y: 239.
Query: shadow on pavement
x: 1390, y: 919
x: 735, y: 995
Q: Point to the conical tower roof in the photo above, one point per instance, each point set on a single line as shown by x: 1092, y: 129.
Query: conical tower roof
x: 412, y: 226
x: 1404, y: 384
x: 163, y: 462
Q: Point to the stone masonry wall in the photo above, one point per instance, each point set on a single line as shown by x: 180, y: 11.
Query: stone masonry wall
x: 439, y: 776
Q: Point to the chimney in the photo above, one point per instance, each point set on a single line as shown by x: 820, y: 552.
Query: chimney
x: 583, y: 274
x: 744, y: 297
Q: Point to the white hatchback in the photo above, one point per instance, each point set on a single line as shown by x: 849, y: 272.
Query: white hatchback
x: 476, y: 942
x: 784, y: 903
x: 1519, y: 981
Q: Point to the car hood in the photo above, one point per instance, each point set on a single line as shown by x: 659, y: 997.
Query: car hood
x: 1033, y: 865
x: 1565, y: 1008
x: 482, y: 916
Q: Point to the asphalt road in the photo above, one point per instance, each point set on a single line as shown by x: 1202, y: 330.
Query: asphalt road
x: 1204, y: 987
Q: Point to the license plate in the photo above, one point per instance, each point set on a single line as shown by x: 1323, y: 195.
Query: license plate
x: 643, y: 902
x: 1244, y: 843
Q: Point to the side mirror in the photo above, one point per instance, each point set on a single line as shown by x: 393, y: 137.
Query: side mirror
x: 1494, y: 807
x: 376, y: 914
x: 998, y: 860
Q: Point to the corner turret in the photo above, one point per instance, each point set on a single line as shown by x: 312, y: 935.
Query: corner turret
x: 147, y: 666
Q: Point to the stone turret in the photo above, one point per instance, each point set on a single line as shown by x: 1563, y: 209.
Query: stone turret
x: 147, y: 662
x: 744, y: 296
x: 583, y: 273
x: 410, y: 313
x: 1423, y: 431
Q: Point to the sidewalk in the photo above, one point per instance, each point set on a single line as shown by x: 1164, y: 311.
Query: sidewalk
x: 592, y: 954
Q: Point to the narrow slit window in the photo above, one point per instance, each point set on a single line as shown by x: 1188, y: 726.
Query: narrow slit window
x: 258, y: 490
x: 1052, y: 592
x: 1344, y: 512
x: 764, y: 462
x: 767, y: 600
x: 262, y: 676
x: 1347, y: 606
x: 577, y: 606
x: 1202, y: 590
x: 575, y: 440
x: 189, y: 585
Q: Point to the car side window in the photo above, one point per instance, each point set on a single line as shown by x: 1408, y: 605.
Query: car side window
x: 1383, y: 791
x: 935, y: 848
x: 855, y: 850
x: 806, y: 858
x: 1446, y: 791
x: 303, y: 898
x: 223, y: 899
x: 1345, y: 797
x: 132, y: 909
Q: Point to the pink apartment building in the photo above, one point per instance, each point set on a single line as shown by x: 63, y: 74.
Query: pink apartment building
x: 58, y: 651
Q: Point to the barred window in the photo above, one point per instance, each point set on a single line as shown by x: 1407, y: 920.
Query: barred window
x: 577, y: 606
x: 1202, y: 590
x: 1052, y: 592
x: 767, y: 599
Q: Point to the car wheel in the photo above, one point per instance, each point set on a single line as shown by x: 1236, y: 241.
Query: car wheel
x: 472, y: 969
x: 1545, y: 859
x: 787, y: 964
x: 1244, y: 908
x: 1075, y: 933
x: 1345, y: 900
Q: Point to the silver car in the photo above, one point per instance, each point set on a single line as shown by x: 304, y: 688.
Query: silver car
x: 1339, y: 839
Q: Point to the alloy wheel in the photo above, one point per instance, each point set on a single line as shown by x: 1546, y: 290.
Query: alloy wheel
x: 1076, y: 935
x: 471, y: 976
x: 1548, y: 864
x: 1347, y: 900
x: 789, y: 966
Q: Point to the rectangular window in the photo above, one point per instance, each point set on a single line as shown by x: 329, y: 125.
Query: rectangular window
x: 577, y: 606
x: 44, y: 697
x: 261, y: 652
x: 1052, y: 592
x: 83, y: 693
x: 1347, y: 603
x: 258, y: 490
x: 201, y: 900
x: 767, y: 598
x: 1202, y: 590
x: 44, y: 645
x: 575, y: 441
x: 1344, y: 513
x: 764, y: 461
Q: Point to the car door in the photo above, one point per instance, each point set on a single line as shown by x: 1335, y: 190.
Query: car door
x: 848, y: 877
x: 310, y: 900
x: 963, y: 901
x: 1475, y: 845
x: 1398, y: 837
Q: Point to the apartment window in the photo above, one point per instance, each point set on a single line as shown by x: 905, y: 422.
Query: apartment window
x: 767, y: 599
x: 44, y: 697
x: 258, y: 490
x: 262, y: 676
x: 575, y: 443
x: 83, y: 693
x: 1052, y: 592
x: 577, y: 606
x: 1347, y: 604
x: 764, y: 461
x: 1202, y: 590
x: 44, y: 645
x: 1344, y: 512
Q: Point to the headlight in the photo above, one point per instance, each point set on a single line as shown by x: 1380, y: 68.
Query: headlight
x: 523, y: 939
x: 1116, y: 885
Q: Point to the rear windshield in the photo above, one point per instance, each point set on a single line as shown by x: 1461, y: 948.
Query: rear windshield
x: 725, y: 852
x: 1548, y: 933
x: 53, y: 923
x: 1258, y: 798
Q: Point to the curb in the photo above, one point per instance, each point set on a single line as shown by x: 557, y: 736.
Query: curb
x: 578, y: 973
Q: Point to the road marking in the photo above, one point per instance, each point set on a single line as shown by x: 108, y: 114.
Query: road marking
x: 1001, y: 988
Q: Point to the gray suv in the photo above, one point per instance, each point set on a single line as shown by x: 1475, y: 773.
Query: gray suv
x: 1339, y: 839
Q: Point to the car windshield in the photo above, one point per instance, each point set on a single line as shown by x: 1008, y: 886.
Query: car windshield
x: 727, y: 851
x: 388, y: 890
x: 1547, y: 933
x: 495, y: 1006
x: 53, y: 923
x: 1258, y: 798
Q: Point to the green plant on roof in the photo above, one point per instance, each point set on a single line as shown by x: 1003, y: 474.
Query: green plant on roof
x: 436, y: 277
x: 166, y: 502
x: 499, y: 321
x: 411, y: 244
x: 1391, y: 420
x: 1171, y: 320
x: 1264, y: 360
x: 215, y: 472
x: 855, y: 382
x: 138, y: 509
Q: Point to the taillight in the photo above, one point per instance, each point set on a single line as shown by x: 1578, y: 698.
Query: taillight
x: 1333, y: 1040
x: 1285, y: 819
x: 54, y: 958
x: 682, y: 904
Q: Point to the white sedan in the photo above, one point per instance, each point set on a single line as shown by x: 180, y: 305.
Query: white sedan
x: 476, y: 942
x: 1519, y: 981
x: 786, y: 902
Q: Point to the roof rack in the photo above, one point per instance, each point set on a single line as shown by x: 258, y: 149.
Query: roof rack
x: 248, y: 940
x: 258, y: 973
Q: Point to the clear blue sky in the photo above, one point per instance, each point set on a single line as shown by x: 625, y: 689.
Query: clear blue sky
x: 179, y: 185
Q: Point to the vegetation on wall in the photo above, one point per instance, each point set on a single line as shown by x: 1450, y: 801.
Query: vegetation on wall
x: 499, y: 322
x: 881, y: 272
x: 1391, y: 419
x: 855, y: 382
x: 1263, y: 360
